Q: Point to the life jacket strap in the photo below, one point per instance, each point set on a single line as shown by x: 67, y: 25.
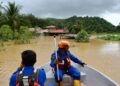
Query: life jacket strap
x: 27, y: 80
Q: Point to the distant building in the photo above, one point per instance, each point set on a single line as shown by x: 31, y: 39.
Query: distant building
x: 56, y: 31
x: 51, y: 27
x: 42, y: 31
x: 70, y: 36
x: 52, y: 30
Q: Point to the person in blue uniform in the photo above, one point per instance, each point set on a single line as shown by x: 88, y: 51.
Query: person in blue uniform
x: 27, y: 67
x: 64, y: 57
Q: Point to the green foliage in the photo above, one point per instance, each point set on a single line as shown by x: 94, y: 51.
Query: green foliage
x: 5, y: 33
x: 118, y: 28
x: 23, y: 36
x: 0, y: 13
x: 82, y: 36
x: 60, y: 23
x: 31, y: 21
x: 12, y: 16
x: 111, y: 37
x: 73, y: 24
x: 89, y: 24
x: 16, y: 35
x: 1, y: 7
x: 15, y: 30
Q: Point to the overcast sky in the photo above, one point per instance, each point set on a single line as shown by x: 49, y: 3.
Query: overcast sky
x: 107, y: 9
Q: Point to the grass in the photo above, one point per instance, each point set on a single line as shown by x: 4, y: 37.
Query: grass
x: 111, y: 37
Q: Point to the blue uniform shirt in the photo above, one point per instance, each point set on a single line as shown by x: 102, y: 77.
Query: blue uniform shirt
x: 60, y: 55
x: 28, y: 70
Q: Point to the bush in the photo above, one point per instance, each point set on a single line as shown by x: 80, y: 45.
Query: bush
x: 20, y: 37
x: 5, y: 33
x: 82, y: 36
x: 23, y: 36
x: 111, y: 37
x: 16, y: 35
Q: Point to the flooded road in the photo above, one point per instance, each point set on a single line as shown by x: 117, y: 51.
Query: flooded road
x: 102, y: 55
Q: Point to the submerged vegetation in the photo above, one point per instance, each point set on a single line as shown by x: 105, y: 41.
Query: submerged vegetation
x: 112, y: 37
x: 5, y: 33
x: 23, y: 36
x: 11, y: 27
x: 82, y: 36
x: 14, y: 26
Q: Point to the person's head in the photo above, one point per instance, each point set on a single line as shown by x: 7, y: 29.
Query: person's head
x: 63, y: 45
x: 28, y: 58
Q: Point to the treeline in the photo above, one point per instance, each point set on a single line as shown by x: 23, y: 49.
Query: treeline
x: 73, y: 24
x: 9, y: 15
x: 32, y: 21
x: 13, y: 26
x: 89, y: 24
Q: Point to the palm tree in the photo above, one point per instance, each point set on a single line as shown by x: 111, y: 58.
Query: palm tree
x: 12, y: 15
x: 1, y: 8
x: 2, y: 17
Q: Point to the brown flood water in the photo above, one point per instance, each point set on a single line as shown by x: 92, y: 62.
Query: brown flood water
x: 102, y: 55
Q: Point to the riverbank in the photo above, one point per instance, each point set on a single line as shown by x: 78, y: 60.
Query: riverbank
x: 111, y: 37
x: 102, y: 55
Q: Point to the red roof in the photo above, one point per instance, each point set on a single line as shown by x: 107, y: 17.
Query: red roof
x: 56, y: 31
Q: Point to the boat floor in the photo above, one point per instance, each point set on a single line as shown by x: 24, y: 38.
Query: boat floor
x: 89, y: 77
x: 67, y: 80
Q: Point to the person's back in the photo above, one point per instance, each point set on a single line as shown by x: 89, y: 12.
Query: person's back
x: 27, y: 70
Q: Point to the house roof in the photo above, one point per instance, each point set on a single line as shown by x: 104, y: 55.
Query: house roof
x: 56, y: 31
x: 51, y: 26
x: 42, y: 31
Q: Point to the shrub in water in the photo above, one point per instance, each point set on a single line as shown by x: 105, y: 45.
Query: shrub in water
x: 24, y: 35
x: 111, y: 37
x: 82, y: 36
x: 5, y: 33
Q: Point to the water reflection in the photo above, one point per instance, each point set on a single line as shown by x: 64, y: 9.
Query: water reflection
x: 111, y: 47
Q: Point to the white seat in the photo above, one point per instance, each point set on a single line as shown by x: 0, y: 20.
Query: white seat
x: 67, y: 80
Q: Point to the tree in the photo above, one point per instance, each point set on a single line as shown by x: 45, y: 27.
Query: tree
x: 12, y: 16
x: 23, y: 36
x: 1, y: 7
x: 82, y: 36
x: 1, y: 14
x: 5, y: 33
x: 118, y: 28
x: 89, y: 24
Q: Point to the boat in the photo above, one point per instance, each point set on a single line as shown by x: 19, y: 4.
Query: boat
x: 69, y: 36
x: 89, y: 76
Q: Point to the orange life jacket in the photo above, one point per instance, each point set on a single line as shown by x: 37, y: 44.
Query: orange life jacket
x: 27, y: 80
x: 64, y: 63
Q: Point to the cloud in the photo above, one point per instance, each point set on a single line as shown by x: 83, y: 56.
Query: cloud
x: 67, y: 8
x: 114, y: 18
